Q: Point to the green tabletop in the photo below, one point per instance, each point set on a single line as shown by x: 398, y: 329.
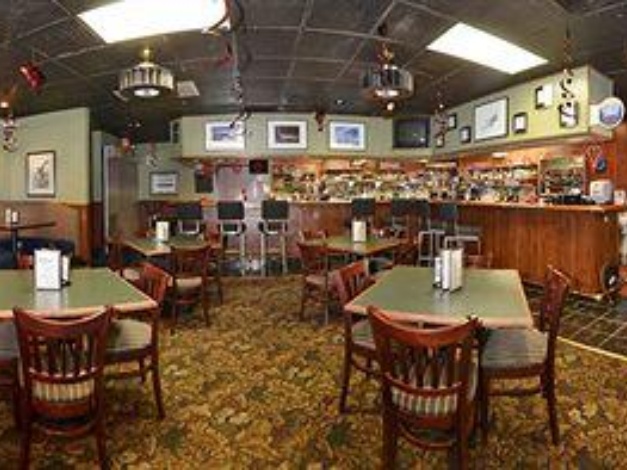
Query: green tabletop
x: 89, y: 290
x: 373, y: 246
x: 151, y: 247
x: 493, y: 295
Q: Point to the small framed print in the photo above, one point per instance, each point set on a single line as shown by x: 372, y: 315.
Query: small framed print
x: 225, y: 135
x: 569, y: 114
x: 465, y: 135
x: 519, y: 123
x: 544, y: 96
x: 439, y: 140
x: 41, y: 174
x: 347, y: 136
x: 164, y: 183
x: 451, y: 121
x: 287, y: 134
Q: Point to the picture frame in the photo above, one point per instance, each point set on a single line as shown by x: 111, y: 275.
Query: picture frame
x: 451, y: 121
x: 465, y: 135
x: 41, y: 174
x: 225, y: 135
x: 519, y: 123
x: 439, y: 141
x: 347, y: 135
x: 164, y: 183
x: 543, y: 96
x: 490, y: 120
x: 286, y: 135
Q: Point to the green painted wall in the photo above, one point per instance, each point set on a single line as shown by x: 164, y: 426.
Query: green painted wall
x: 65, y: 132
x: 542, y: 124
x: 378, y: 137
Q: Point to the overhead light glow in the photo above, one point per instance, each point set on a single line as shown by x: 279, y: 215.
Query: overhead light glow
x: 132, y: 19
x: 468, y: 43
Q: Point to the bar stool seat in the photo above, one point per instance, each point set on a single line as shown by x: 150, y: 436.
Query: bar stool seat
x: 274, y: 225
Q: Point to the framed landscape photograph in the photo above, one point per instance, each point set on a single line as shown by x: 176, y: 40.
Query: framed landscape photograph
x: 287, y: 134
x: 164, y: 183
x: 491, y: 120
x: 225, y: 135
x: 347, y: 135
x: 41, y: 174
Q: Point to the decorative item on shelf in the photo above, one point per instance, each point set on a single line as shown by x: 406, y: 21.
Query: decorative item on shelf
x: 490, y: 120
x: 519, y: 123
x: 568, y: 107
x: 465, y: 135
x: 386, y: 82
x: 146, y: 79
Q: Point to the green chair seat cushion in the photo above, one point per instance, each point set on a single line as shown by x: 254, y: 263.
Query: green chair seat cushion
x: 128, y: 335
x: 514, y: 348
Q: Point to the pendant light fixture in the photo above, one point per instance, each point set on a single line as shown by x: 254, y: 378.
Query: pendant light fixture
x: 146, y: 79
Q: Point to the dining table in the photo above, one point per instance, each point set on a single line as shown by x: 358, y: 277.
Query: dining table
x: 149, y: 247
x: 371, y: 247
x: 89, y: 290
x: 406, y: 293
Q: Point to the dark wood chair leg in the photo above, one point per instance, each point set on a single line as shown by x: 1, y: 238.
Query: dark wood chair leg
x: 204, y: 300
x: 484, y: 404
x: 346, y: 378
x: 156, y: 384
x: 175, y: 314
x: 220, y: 291
x: 17, y: 397
x: 390, y: 442
x: 549, y: 387
x: 461, y: 451
x: 100, y: 444
x: 142, y: 369
x: 25, y: 445
x: 303, y: 301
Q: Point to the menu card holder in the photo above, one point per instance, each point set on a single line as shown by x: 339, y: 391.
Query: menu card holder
x: 48, y: 270
x: 359, y: 231
x: 162, y: 231
x: 452, y: 269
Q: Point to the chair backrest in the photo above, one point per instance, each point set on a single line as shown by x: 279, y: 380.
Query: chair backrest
x: 556, y: 288
x: 312, y: 235
x: 314, y: 258
x: 230, y: 210
x: 352, y: 280
x: 406, y: 254
x: 363, y: 208
x: 62, y: 363
x: 153, y: 281
x: 483, y: 261
x: 272, y: 209
x: 424, y: 365
x: 25, y: 261
x: 190, y: 262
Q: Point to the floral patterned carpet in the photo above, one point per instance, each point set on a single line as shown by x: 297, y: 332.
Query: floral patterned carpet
x: 259, y: 389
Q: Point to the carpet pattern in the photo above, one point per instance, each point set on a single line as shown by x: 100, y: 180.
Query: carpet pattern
x: 259, y: 389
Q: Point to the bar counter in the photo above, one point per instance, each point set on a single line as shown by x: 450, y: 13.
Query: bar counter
x: 579, y: 240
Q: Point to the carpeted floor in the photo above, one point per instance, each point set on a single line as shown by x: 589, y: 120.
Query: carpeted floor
x: 258, y: 389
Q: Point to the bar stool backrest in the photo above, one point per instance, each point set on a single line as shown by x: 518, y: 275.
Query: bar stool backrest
x: 423, y: 212
x: 400, y: 207
x: 275, y: 210
x: 363, y: 208
x: 448, y: 212
x: 230, y: 210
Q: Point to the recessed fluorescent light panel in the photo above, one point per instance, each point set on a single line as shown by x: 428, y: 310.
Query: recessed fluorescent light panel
x: 475, y: 45
x: 133, y: 19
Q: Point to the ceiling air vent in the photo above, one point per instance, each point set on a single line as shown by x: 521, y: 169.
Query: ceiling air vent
x: 187, y: 89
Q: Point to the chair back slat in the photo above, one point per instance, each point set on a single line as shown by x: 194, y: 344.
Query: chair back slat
x: 423, y: 363
x: 314, y: 258
x: 556, y: 289
x: 153, y: 281
x: 353, y: 279
x: 406, y: 254
x: 190, y: 262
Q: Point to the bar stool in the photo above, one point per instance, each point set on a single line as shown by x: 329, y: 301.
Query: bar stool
x: 428, y: 236
x: 458, y: 235
x: 231, y: 225
x: 273, y: 224
x: 400, y: 213
x: 189, y: 219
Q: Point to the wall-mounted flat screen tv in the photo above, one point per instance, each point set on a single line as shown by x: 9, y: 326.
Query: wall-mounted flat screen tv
x: 258, y: 166
x: 411, y: 133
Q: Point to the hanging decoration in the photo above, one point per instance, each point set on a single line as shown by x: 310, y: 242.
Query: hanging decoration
x: 33, y: 75
x: 9, y: 133
x: 440, y: 119
x: 568, y: 107
x: 320, y: 116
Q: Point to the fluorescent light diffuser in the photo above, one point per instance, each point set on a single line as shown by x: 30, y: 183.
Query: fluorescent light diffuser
x: 468, y: 43
x: 133, y: 19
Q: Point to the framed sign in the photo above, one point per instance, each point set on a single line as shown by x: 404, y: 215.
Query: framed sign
x: 465, y: 135
x: 225, y: 135
x: 164, y: 182
x: 451, y: 121
x: 519, y: 123
x: 41, y: 174
x: 287, y: 134
x: 491, y: 120
x: 347, y: 136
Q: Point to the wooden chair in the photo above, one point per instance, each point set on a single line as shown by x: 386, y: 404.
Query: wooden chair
x: 61, y: 370
x: 429, y: 385
x: 9, y: 364
x: 316, y: 277
x: 189, y: 280
x: 526, y: 353
x: 24, y: 261
x: 359, y: 350
x: 137, y: 339
x: 483, y: 261
x: 406, y: 254
x: 312, y: 235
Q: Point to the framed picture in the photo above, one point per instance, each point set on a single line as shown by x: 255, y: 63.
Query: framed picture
x: 439, y: 140
x: 347, y: 135
x: 41, y: 174
x: 164, y: 183
x: 225, y: 135
x: 519, y: 123
x: 287, y: 134
x: 451, y: 121
x: 465, y: 135
x: 544, y: 96
x: 491, y: 120
x: 569, y: 114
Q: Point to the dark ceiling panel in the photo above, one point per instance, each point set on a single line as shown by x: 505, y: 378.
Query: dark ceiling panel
x: 333, y: 46
x: 347, y: 15
x: 316, y: 71
x: 274, y: 12
x: 268, y: 43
